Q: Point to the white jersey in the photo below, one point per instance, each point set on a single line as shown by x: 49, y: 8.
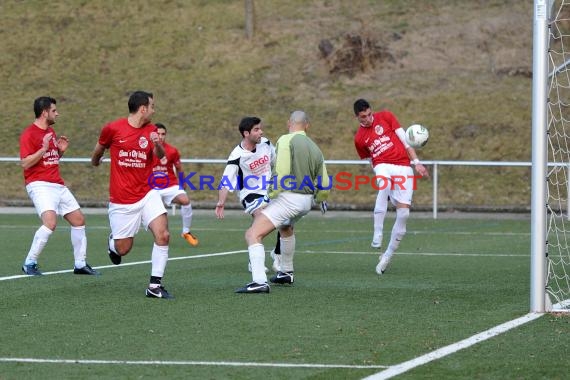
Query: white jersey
x: 249, y: 171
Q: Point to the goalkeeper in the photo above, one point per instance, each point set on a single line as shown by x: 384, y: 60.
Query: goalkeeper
x: 299, y: 159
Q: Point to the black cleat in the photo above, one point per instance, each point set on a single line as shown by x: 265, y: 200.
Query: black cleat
x: 254, y: 287
x: 159, y: 292
x: 86, y: 270
x: 31, y: 270
x: 115, y: 258
x: 283, y: 278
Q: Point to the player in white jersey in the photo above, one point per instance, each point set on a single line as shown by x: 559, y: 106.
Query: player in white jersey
x: 249, y: 171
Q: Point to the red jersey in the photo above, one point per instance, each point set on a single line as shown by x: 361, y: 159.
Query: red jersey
x: 131, y: 152
x: 168, y: 163
x: 380, y: 141
x: 47, y: 168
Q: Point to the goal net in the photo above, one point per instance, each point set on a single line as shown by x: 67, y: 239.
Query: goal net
x: 558, y: 153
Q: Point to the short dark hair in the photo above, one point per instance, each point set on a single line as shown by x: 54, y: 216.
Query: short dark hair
x: 43, y: 103
x: 247, y: 123
x: 360, y: 105
x: 161, y: 126
x: 138, y: 99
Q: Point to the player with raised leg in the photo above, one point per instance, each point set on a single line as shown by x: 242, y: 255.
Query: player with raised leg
x: 133, y: 142
x: 381, y: 140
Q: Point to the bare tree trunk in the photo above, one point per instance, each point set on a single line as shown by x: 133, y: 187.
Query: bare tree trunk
x: 249, y: 19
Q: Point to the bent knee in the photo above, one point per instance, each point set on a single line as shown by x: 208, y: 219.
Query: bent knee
x: 181, y: 200
x: 252, y: 237
x: 51, y: 225
x: 286, y: 231
x: 162, y: 238
x: 123, y: 246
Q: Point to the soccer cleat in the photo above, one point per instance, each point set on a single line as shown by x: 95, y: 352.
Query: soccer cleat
x: 376, y: 244
x: 159, y: 292
x: 276, y: 261
x: 115, y: 258
x: 283, y: 278
x: 31, y: 270
x: 86, y: 270
x: 190, y: 238
x: 254, y: 287
x: 249, y: 268
x: 383, y: 264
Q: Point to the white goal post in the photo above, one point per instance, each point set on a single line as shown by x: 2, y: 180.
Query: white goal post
x: 550, y: 220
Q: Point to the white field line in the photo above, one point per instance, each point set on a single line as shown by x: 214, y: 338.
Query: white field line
x: 452, y: 348
x: 182, y: 363
x: 18, y: 276
x: 186, y: 363
x: 128, y: 264
x: 389, y: 372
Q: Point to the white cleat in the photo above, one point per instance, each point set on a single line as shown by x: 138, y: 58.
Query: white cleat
x: 376, y: 244
x: 276, y: 266
x: 383, y: 264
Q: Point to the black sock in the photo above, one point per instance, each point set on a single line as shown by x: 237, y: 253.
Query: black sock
x: 155, y: 280
x: 278, y: 244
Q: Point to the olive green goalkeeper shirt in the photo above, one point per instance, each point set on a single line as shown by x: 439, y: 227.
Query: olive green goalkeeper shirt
x: 299, y: 167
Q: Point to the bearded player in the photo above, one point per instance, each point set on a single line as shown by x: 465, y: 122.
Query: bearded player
x: 133, y: 142
x: 40, y: 151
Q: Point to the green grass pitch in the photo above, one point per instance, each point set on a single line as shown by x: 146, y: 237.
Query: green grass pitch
x: 451, y: 279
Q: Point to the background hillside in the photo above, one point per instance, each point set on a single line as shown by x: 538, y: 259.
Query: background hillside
x: 460, y: 67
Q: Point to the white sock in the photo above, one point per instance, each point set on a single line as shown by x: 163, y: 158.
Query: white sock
x: 159, y: 259
x: 112, y: 245
x: 41, y: 238
x: 257, y: 260
x: 287, y: 253
x: 398, y: 231
x: 79, y: 243
x: 186, y: 212
x: 379, y: 214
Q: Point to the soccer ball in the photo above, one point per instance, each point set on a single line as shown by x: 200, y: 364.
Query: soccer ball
x: 417, y: 135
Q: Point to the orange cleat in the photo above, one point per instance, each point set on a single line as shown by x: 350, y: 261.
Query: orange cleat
x: 191, y: 239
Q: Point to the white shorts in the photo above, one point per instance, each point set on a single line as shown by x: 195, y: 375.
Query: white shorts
x: 126, y: 219
x: 288, y: 208
x: 397, y: 180
x: 170, y: 193
x: 48, y: 196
